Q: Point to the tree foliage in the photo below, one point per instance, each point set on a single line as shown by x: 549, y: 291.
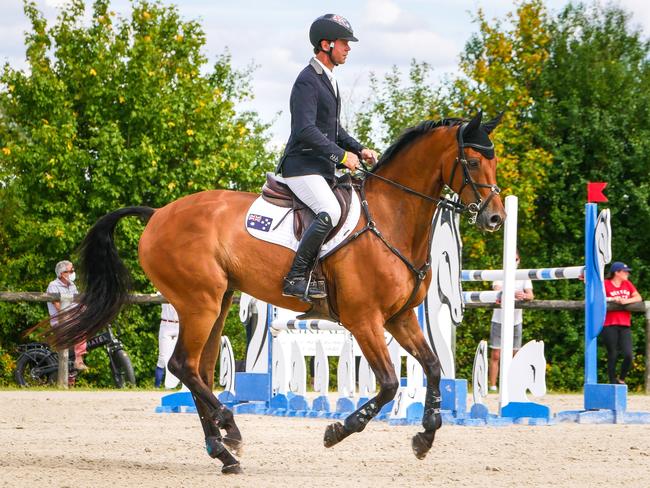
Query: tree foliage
x: 110, y: 113
x: 592, y: 113
x: 574, y: 92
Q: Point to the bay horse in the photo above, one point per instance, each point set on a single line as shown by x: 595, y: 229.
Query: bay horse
x: 197, y: 252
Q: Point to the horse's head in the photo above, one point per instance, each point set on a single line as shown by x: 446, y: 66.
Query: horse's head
x: 472, y: 174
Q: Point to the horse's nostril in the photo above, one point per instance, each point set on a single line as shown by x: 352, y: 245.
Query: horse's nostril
x: 496, y: 220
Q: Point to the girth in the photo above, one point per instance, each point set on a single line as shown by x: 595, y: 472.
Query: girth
x: 278, y: 193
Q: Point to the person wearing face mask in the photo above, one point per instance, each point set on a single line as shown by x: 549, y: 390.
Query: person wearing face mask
x: 64, y: 283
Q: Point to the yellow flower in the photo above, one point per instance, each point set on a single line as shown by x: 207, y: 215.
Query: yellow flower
x: 58, y: 233
x: 179, y: 37
x: 147, y: 38
x: 189, y: 132
x: 171, y: 124
x: 93, y: 72
x: 171, y: 185
x: 6, y: 151
x: 146, y: 15
x: 121, y: 99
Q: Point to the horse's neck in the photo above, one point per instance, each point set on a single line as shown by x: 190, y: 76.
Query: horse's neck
x: 403, y: 217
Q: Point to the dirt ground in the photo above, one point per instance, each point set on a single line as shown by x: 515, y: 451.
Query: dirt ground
x: 114, y: 439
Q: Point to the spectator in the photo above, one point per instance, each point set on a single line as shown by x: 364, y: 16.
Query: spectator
x: 523, y: 291
x: 617, y: 333
x: 64, y: 283
x: 167, y: 337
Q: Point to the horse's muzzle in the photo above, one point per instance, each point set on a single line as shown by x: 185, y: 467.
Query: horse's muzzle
x: 490, y: 220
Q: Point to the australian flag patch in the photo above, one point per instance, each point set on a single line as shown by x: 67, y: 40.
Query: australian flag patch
x: 259, y: 222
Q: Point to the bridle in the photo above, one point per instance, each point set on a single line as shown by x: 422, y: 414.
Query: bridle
x: 474, y: 209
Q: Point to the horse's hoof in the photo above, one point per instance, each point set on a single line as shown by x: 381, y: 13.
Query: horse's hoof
x: 232, y: 469
x: 235, y: 445
x: 420, y: 445
x: 334, y: 433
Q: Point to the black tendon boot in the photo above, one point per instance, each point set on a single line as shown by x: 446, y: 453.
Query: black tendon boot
x: 299, y: 277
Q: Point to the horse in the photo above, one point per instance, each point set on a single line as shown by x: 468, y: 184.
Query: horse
x: 197, y: 252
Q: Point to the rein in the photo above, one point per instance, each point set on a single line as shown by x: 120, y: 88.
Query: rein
x: 474, y: 209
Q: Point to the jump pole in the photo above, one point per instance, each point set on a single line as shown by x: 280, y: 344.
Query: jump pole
x: 508, y: 297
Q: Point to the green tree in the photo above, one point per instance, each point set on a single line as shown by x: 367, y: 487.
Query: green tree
x: 592, y: 113
x: 395, y: 106
x: 499, y: 65
x: 574, y: 91
x: 123, y: 111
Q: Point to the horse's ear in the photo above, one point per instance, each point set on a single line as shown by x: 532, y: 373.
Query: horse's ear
x: 490, y: 126
x: 473, y: 124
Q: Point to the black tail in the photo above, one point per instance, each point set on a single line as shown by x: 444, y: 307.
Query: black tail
x: 106, y: 282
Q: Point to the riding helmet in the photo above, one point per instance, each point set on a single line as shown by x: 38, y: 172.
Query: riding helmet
x: 330, y: 27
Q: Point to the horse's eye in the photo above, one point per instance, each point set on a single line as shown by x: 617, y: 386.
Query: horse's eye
x: 473, y: 163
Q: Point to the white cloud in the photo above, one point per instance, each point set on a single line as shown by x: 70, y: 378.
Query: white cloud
x: 381, y: 12
x: 640, y: 10
x: 55, y: 3
x: 390, y: 48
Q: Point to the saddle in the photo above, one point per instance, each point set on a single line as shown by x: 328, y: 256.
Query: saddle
x: 276, y: 192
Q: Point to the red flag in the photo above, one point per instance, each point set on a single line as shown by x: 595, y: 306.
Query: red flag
x: 595, y: 192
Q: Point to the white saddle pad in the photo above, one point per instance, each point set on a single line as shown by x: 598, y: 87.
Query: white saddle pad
x: 262, y: 221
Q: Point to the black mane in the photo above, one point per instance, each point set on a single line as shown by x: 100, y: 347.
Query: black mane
x: 410, y: 135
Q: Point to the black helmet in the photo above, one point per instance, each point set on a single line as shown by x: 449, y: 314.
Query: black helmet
x: 330, y: 27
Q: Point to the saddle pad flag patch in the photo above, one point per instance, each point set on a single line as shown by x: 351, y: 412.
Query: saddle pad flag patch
x: 259, y: 222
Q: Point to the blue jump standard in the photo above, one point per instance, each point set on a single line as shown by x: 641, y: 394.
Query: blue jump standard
x: 604, y: 404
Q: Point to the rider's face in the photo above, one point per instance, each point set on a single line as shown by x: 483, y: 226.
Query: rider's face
x: 340, y: 51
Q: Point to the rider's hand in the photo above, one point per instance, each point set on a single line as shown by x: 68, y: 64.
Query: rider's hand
x: 352, y: 161
x: 369, y: 156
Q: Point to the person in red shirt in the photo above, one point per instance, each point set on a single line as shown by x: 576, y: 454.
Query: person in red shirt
x: 616, y: 333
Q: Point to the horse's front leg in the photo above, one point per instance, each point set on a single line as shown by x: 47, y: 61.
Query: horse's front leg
x: 370, y: 337
x: 406, y: 330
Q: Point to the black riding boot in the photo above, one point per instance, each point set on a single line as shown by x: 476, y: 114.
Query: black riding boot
x: 299, y: 276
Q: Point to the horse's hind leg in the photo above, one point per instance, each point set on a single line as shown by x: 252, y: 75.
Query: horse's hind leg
x: 406, y: 330
x: 370, y: 337
x: 233, y: 438
x: 199, y: 335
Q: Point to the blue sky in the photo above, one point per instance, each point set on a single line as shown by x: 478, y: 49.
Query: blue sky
x: 273, y: 35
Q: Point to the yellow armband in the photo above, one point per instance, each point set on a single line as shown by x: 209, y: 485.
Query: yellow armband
x: 345, y: 157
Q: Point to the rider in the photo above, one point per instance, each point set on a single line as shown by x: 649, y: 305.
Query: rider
x: 317, y: 143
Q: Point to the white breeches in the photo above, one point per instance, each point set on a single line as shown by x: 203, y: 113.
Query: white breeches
x: 314, y: 192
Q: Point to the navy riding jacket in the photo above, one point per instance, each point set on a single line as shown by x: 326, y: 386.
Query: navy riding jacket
x: 317, y: 141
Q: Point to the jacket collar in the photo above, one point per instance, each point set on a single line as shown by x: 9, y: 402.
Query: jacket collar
x: 321, y: 72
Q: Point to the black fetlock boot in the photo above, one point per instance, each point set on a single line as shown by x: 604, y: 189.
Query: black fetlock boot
x: 298, y: 278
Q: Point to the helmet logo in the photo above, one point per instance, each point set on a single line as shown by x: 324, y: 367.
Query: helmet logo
x: 342, y: 21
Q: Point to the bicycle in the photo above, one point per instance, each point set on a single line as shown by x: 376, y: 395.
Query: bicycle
x: 38, y: 365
